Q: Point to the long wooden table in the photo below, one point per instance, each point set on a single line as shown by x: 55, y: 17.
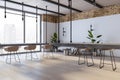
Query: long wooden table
x: 76, y: 45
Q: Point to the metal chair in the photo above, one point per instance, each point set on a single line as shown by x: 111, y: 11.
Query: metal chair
x: 87, y: 52
x: 47, y: 47
x: 112, y: 58
x: 12, y: 50
x: 30, y: 48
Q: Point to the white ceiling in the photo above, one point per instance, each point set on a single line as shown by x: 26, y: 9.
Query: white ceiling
x: 78, y: 4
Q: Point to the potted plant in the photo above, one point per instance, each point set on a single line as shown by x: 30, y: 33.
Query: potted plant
x: 92, y: 37
x: 54, y: 40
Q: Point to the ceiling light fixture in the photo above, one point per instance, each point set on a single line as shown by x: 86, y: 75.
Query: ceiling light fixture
x: 22, y: 11
x: 5, y: 8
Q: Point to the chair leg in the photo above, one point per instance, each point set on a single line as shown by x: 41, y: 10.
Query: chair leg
x: 52, y: 54
x: 26, y: 55
x: 37, y: 56
x: 8, y: 58
x: 78, y: 52
x: 31, y: 55
x: 17, y: 57
x: 88, y: 61
x: 113, y: 63
x: 102, y: 58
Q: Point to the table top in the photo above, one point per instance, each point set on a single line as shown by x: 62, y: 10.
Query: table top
x: 76, y: 45
x: 89, y: 45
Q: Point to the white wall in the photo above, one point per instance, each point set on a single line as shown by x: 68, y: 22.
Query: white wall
x: 107, y: 26
x: 51, y: 28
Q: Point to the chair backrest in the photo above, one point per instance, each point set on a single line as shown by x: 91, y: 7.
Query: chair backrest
x: 47, y: 47
x: 31, y: 47
x: 11, y: 48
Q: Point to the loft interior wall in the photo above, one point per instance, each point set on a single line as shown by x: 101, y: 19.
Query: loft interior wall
x: 108, y: 26
x: 92, y: 17
x: 51, y: 27
x: 104, y: 21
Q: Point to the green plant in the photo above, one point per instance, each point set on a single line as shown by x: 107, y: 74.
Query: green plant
x: 92, y: 37
x: 54, y: 38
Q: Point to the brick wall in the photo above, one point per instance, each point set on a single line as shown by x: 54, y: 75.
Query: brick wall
x: 109, y: 10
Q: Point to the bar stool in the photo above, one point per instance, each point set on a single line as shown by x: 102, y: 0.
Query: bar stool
x: 112, y: 58
x: 86, y: 52
x: 12, y: 50
x: 30, y: 48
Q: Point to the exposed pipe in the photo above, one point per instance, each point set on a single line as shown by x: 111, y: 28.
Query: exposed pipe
x: 33, y: 7
x: 93, y: 2
x: 62, y: 5
x: 58, y: 21
x: 36, y: 25
x: 70, y: 5
x: 46, y: 24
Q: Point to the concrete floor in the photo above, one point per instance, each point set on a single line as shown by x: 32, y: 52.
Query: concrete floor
x: 59, y: 67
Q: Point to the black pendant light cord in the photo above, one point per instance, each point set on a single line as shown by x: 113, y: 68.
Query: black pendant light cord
x: 22, y: 11
x: 36, y: 13
x: 5, y: 9
x: 46, y: 24
x: 36, y: 24
x: 58, y: 21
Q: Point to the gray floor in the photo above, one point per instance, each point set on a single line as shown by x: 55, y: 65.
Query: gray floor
x: 59, y: 67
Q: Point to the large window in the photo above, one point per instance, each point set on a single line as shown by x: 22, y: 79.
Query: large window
x: 14, y: 30
x: 30, y: 25
x: 11, y: 29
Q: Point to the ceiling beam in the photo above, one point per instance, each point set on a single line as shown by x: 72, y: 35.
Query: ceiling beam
x: 34, y: 7
x: 19, y: 10
x: 62, y: 5
x: 94, y: 3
